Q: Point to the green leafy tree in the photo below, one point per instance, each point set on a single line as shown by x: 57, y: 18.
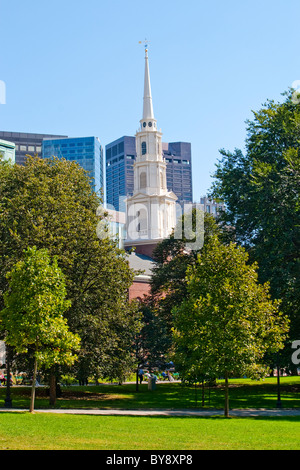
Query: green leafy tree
x: 49, y: 203
x: 260, y: 188
x: 33, y: 315
x: 228, y: 322
x: 172, y: 257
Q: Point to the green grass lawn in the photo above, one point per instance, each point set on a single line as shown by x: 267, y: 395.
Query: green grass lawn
x: 25, y: 431
x: 22, y: 430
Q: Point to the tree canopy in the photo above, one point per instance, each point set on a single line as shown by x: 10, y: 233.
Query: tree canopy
x: 172, y: 256
x: 260, y: 189
x: 33, y: 315
x: 228, y: 321
x: 50, y: 204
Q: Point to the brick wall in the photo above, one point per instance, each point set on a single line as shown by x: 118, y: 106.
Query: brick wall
x: 139, y: 290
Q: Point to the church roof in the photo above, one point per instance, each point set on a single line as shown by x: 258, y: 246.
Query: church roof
x: 139, y: 262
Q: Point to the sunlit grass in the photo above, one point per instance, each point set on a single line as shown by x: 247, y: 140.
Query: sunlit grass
x: 24, y: 431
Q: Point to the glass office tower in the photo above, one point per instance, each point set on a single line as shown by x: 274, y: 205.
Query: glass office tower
x: 87, y: 151
x: 26, y: 143
x: 120, y: 157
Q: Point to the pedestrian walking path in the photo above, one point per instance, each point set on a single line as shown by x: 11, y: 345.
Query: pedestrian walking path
x: 249, y: 412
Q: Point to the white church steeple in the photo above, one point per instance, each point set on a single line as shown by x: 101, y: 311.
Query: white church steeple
x: 148, y: 106
x: 151, y: 213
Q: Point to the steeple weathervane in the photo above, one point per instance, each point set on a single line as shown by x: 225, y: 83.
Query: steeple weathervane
x: 146, y: 42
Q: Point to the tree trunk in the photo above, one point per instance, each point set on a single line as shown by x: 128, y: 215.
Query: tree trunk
x: 226, y: 410
x: 31, y: 409
x: 8, y: 401
x: 278, y: 388
x: 52, y: 388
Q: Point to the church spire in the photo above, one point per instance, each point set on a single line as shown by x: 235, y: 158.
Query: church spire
x: 151, y: 210
x: 148, y: 107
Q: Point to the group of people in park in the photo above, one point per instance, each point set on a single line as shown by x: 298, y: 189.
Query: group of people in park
x: 145, y: 375
x: 3, y: 379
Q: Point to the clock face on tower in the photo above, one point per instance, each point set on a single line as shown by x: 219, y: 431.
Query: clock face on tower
x: 144, y: 124
x: 149, y: 124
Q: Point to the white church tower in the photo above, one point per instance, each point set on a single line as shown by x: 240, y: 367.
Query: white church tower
x: 151, y: 211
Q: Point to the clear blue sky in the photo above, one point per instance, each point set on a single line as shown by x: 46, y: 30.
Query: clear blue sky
x: 76, y: 68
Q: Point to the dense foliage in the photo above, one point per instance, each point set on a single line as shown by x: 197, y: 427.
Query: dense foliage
x: 49, y: 203
x: 227, y: 322
x: 260, y: 189
x: 172, y: 257
x: 33, y: 315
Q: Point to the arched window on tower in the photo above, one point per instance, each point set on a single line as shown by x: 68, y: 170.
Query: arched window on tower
x: 144, y: 148
x: 143, y: 180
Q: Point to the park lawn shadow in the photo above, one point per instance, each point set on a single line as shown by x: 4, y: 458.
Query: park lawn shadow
x: 165, y: 396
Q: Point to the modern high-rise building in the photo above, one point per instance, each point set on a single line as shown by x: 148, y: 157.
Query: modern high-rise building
x: 211, y: 206
x: 7, y: 149
x: 178, y: 157
x: 26, y: 143
x: 120, y: 158
x: 86, y: 151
